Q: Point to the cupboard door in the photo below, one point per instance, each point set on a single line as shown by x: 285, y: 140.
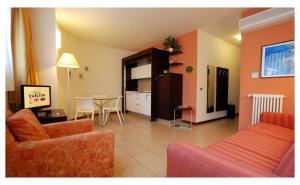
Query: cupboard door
x: 146, y: 71
x: 141, y: 72
x: 145, y: 103
x: 148, y: 104
x: 137, y: 103
x: 134, y: 73
x: 130, y: 101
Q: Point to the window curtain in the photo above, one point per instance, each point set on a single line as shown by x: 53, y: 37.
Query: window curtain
x: 9, y: 69
x: 25, y: 70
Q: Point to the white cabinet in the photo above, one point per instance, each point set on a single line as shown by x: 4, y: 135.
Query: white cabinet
x: 130, y: 99
x: 141, y: 72
x: 139, y: 102
x: 145, y: 103
x: 134, y: 72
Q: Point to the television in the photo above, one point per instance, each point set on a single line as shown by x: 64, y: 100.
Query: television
x: 35, y: 96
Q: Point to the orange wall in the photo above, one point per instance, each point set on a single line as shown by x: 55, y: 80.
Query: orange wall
x: 188, y: 44
x: 188, y: 57
x: 251, y: 61
x: 252, y: 11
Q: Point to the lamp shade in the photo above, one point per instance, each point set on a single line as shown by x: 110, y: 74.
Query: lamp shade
x: 67, y: 60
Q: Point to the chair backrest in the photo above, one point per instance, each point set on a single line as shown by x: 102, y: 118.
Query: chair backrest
x: 99, y: 95
x: 115, y: 102
x: 84, y: 104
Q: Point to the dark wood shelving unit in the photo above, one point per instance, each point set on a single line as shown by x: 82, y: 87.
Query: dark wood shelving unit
x: 174, y: 64
x: 176, y: 52
x: 158, y: 59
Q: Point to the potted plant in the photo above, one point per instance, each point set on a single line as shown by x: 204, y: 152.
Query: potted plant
x: 171, y: 44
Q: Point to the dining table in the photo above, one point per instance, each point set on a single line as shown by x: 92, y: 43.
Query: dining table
x: 100, y: 100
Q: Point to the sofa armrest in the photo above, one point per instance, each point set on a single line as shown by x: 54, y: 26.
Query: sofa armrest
x: 280, y: 119
x: 66, y: 128
x: 82, y: 155
x: 186, y: 160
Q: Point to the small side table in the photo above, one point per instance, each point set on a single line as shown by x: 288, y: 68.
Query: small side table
x: 183, y: 108
x: 51, y: 116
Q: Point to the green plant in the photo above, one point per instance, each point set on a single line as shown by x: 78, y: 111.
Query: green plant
x: 170, y: 42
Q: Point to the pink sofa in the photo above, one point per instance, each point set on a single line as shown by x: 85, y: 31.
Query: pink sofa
x: 72, y: 150
x: 263, y: 150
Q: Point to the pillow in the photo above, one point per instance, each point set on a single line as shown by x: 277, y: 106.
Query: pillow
x: 287, y: 164
x: 8, y: 113
x: 25, y: 126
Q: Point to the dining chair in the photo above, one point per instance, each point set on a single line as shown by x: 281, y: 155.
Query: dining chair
x: 112, y: 106
x: 85, y: 105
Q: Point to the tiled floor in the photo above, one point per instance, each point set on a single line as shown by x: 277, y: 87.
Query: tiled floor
x: 140, y: 145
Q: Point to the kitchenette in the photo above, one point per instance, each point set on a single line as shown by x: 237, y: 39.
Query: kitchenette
x: 142, y: 73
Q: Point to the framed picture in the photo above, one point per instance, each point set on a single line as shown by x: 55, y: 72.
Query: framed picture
x: 278, y: 60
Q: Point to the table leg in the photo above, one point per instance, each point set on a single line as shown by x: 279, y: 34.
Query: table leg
x: 100, y: 113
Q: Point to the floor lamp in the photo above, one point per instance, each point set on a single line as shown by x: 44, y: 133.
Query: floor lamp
x: 67, y: 60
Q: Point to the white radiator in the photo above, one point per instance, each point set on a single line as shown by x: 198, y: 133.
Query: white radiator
x: 265, y: 103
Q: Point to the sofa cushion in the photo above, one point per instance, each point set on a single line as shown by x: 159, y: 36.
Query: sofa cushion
x: 286, y: 166
x: 25, y: 126
x: 258, y: 148
x: 279, y: 119
x: 274, y: 131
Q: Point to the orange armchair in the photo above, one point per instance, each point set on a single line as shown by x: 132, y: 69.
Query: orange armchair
x: 73, y: 150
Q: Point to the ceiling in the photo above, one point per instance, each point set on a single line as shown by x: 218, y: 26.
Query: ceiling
x: 137, y: 28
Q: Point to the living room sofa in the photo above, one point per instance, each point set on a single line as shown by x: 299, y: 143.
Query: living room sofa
x: 71, y: 149
x: 262, y: 150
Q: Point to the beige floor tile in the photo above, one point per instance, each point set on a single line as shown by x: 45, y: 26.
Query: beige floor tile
x: 122, y: 159
x: 131, y: 148
x: 152, y: 162
x: 136, y: 170
x: 141, y: 145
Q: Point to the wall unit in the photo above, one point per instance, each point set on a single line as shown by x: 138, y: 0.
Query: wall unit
x: 156, y: 60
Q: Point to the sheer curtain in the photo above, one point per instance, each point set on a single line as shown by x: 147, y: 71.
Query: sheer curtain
x: 9, y: 69
x: 24, y: 64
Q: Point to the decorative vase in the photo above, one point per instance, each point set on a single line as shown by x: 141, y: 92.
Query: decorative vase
x: 170, y: 49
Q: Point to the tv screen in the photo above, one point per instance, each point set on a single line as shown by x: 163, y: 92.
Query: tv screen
x: 35, y: 96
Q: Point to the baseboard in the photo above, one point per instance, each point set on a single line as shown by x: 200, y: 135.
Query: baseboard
x: 207, y: 121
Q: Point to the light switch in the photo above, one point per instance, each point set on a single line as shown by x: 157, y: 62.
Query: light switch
x: 254, y: 74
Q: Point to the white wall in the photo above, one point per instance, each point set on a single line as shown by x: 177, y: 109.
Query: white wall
x: 214, y: 51
x: 104, y: 75
x: 43, y: 38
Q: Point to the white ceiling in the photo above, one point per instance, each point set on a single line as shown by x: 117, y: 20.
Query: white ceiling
x: 139, y: 28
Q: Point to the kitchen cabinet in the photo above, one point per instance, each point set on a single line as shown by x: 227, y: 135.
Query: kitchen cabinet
x: 141, y: 72
x: 170, y: 95
x: 139, y: 102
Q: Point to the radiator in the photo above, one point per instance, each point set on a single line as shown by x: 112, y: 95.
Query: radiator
x: 265, y: 103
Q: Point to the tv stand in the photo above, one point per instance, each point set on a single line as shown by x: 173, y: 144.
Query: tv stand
x: 50, y: 115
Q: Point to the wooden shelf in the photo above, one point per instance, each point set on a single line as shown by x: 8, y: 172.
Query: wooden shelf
x: 176, y: 52
x: 174, y: 64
